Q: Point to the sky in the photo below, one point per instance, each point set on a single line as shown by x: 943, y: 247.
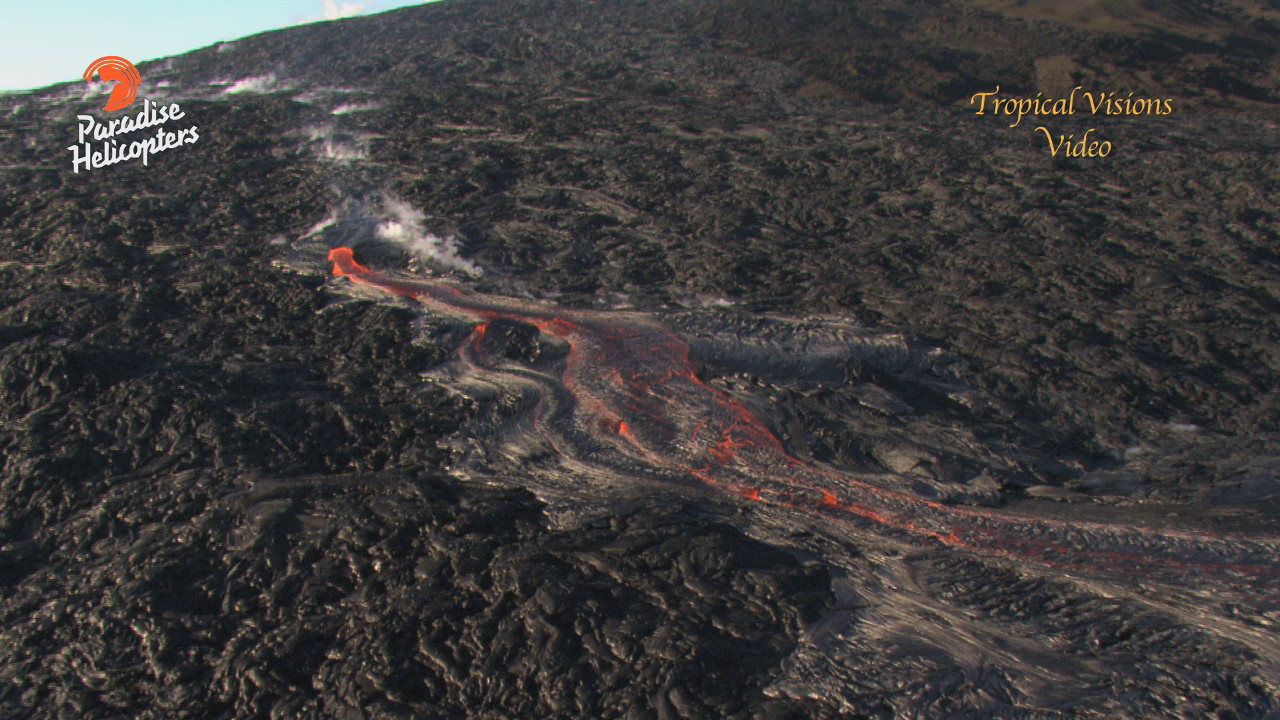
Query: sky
x: 49, y: 41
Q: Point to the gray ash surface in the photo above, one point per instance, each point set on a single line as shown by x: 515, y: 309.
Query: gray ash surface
x: 233, y: 488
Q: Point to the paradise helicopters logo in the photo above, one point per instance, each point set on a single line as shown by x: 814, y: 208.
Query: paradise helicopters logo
x: 113, y: 149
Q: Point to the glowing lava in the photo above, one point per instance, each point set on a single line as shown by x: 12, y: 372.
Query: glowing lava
x: 635, y: 392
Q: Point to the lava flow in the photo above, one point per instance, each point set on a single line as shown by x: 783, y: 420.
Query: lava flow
x: 633, y: 392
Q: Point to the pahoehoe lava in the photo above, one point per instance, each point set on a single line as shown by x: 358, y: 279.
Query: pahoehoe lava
x: 634, y: 389
x: 632, y: 405
x: 715, y: 361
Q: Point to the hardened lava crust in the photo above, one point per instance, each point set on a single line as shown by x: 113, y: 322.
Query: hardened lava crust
x: 236, y: 486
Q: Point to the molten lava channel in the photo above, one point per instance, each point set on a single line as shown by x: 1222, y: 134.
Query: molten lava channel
x: 635, y: 391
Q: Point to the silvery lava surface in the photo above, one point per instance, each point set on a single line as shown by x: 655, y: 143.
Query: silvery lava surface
x: 733, y: 367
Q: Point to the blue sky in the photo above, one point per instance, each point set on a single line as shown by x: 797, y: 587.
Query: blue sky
x: 47, y: 41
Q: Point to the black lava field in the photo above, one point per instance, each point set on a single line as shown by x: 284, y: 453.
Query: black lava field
x: 655, y: 359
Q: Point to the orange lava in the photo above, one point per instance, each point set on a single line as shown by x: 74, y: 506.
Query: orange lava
x: 636, y: 392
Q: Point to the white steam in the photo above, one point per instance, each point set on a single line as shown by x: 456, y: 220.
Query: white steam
x: 94, y: 88
x: 320, y: 226
x: 258, y: 84
x: 346, y: 108
x: 335, y: 10
x: 340, y: 147
x: 404, y: 227
x: 343, y: 152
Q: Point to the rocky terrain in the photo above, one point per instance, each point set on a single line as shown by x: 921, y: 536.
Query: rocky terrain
x: 236, y: 486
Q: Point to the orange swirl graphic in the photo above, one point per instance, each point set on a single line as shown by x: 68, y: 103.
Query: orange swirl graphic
x: 114, y: 67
